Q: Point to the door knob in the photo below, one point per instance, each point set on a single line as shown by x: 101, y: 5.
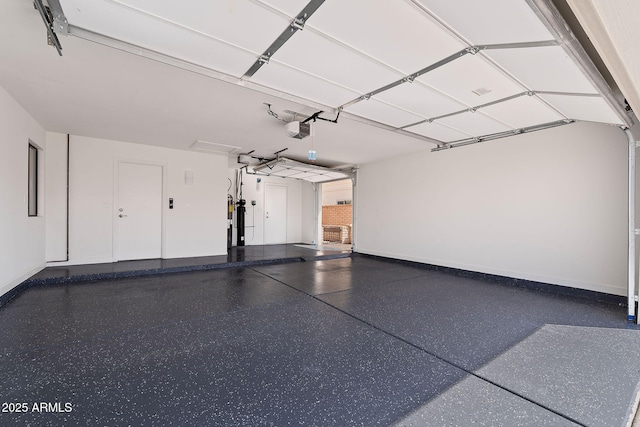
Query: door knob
x: 122, y: 215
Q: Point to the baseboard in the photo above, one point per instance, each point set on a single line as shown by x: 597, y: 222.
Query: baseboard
x: 598, y: 292
x: 83, y: 261
x: 87, y: 261
x: 12, y: 288
x: 198, y: 255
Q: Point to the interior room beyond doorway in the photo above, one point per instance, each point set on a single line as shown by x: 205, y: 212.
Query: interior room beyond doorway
x: 337, y: 214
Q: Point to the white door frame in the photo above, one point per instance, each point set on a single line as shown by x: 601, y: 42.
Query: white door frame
x: 116, y: 194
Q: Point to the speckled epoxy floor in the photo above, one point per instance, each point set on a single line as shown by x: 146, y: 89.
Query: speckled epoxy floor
x: 355, y: 341
x: 237, y: 256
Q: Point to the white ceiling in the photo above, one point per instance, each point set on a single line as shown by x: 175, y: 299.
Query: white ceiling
x: 346, y: 54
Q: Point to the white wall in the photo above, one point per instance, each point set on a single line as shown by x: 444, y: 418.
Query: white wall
x: 56, y: 194
x: 336, y: 190
x: 22, y: 252
x: 549, y: 206
x: 195, y: 227
x: 299, y: 205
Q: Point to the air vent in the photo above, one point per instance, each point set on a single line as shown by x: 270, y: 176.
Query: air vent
x: 481, y: 91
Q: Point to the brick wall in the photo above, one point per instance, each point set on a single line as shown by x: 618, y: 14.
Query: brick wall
x: 337, y: 215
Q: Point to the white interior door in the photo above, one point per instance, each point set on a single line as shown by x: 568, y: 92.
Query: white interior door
x: 275, y: 214
x: 139, y: 211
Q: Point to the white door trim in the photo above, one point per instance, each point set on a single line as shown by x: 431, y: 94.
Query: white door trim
x: 114, y: 208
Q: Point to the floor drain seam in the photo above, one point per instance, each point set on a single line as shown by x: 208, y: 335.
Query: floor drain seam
x: 440, y: 358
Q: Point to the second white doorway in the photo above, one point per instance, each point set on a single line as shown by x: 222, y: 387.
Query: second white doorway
x: 275, y: 214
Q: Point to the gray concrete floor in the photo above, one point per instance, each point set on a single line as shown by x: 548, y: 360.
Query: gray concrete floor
x: 349, y: 341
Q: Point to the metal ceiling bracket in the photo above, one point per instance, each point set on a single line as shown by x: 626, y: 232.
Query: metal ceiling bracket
x: 469, y: 141
x: 587, y: 95
x: 519, y: 45
x: 473, y: 50
x: 48, y: 19
x: 297, y: 24
x: 60, y: 23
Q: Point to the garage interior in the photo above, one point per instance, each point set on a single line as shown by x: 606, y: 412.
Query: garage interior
x: 164, y: 166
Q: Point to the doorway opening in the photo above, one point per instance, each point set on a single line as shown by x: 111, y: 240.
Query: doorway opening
x: 138, y: 222
x: 336, y: 231
x: 275, y: 214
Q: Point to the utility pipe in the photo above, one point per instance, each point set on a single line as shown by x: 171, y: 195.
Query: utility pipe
x: 631, y: 292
